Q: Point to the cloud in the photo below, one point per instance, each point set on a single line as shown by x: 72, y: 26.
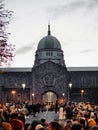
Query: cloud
x: 87, y: 50
x: 71, y: 6
x: 92, y: 3
x: 24, y: 49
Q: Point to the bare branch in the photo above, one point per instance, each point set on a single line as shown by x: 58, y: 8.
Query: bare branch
x: 6, y: 49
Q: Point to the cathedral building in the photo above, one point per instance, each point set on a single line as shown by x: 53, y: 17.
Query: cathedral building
x: 49, y: 79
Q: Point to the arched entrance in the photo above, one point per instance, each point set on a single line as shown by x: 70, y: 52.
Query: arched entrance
x: 49, y: 97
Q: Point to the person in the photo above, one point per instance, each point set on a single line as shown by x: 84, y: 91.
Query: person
x: 1, y: 118
x: 54, y: 126
x: 37, y: 127
x: 83, y: 122
x: 44, y: 122
x: 69, y: 112
x: 56, y: 106
x: 26, y: 126
x: 21, y: 117
x: 91, y: 122
x: 77, y: 126
x: 6, y: 126
x: 42, y: 128
x: 16, y: 123
x: 33, y: 124
x: 95, y: 127
x: 61, y: 114
x: 68, y: 126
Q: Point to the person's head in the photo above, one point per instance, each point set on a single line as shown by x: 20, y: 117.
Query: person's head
x: 95, y: 127
x: 14, y: 115
x: 68, y: 126
x: 34, y: 124
x: 83, y: 122
x: 54, y: 126
x: 26, y: 126
x: 17, y: 124
x: 77, y: 126
x: 42, y: 120
x: 69, y: 122
x: 91, y: 122
x: 42, y: 128
x: 39, y: 126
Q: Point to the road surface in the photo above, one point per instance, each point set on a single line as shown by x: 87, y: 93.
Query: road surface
x: 48, y: 115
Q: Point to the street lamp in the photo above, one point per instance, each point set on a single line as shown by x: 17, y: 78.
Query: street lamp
x: 13, y: 93
x: 33, y: 97
x: 69, y: 88
x: 63, y: 94
x: 70, y: 85
x: 82, y: 94
x: 23, y: 86
x: 23, y: 94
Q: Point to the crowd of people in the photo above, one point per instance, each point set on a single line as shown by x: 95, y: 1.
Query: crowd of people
x: 72, y: 116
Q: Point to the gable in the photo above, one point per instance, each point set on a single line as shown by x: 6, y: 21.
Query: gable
x: 49, y: 65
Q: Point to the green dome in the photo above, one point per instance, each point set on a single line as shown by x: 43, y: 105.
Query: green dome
x: 49, y: 42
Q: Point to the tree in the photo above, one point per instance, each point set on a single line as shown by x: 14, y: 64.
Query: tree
x: 6, y: 49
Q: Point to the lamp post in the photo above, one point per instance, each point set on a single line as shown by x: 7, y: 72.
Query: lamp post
x: 33, y: 97
x: 23, y: 86
x: 82, y: 94
x: 0, y: 94
x: 69, y: 89
x: 23, y: 94
x: 13, y: 94
x: 63, y: 94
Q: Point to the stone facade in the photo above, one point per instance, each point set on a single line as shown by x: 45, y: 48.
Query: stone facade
x: 86, y: 80
x: 49, y: 77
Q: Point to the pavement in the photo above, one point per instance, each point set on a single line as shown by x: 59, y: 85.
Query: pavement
x: 48, y: 115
